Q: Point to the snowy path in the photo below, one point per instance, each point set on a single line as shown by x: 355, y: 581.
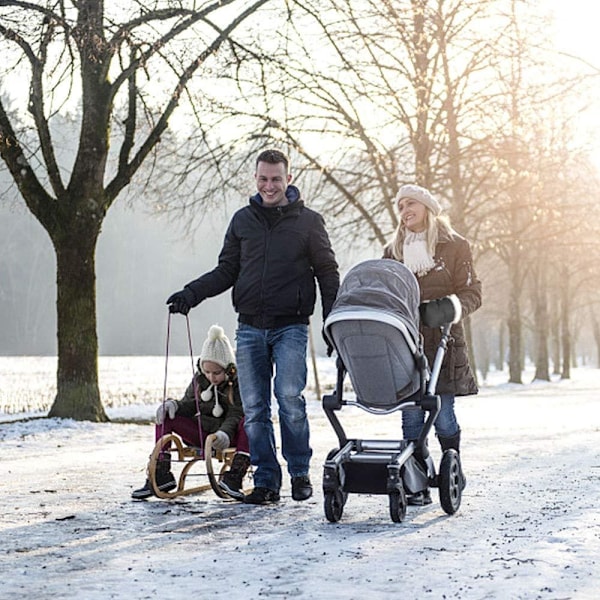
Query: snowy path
x: 529, y: 525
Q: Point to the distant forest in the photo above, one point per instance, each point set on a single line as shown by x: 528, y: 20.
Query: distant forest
x: 141, y: 260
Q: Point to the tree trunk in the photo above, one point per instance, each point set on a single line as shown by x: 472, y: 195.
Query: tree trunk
x: 541, y: 325
x: 313, y: 358
x: 77, y: 393
x: 500, y: 355
x: 483, y: 353
x: 515, y: 351
x: 421, y: 143
x: 565, y: 335
x: 555, y: 322
x: 596, y: 330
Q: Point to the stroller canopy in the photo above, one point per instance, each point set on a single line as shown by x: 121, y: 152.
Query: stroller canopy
x: 384, y: 285
x: 373, y: 325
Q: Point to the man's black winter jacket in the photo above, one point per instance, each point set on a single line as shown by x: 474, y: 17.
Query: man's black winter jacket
x: 271, y: 257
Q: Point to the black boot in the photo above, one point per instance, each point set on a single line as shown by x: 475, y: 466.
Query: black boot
x: 422, y: 498
x: 164, y: 479
x: 301, y: 488
x: 453, y: 443
x: 419, y: 499
x: 231, y: 482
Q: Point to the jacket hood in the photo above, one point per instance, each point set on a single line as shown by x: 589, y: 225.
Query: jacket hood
x: 292, y: 193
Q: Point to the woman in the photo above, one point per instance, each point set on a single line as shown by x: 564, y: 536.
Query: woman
x: 442, y: 261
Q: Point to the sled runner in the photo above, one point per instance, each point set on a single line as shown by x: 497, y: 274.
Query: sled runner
x: 374, y: 327
x: 187, y: 461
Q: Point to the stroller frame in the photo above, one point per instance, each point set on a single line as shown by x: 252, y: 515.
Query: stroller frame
x: 392, y: 467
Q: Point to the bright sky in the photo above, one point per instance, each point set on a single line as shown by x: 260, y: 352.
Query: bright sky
x: 577, y: 27
x: 577, y: 34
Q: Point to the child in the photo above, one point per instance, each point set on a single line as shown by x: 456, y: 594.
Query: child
x: 221, y: 413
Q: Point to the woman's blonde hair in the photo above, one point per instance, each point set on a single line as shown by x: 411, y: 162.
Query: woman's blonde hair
x: 433, y: 226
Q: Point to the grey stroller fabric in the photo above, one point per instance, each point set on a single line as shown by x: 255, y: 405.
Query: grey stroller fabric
x: 382, y: 284
x: 374, y: 326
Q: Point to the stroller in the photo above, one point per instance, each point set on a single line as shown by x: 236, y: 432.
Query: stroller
x: 373, y: 326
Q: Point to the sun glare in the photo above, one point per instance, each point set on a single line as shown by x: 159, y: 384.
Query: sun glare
x: 576, y: 28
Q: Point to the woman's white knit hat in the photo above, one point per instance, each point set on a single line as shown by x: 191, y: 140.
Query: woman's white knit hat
x: 217, y: 348
x: 420, y: 194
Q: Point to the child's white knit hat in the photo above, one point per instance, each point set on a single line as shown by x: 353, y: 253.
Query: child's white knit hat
x: 217, y: 348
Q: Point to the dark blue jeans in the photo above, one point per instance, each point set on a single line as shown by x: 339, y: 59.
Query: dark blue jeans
x: 259, y: 352
x: 445, y: 425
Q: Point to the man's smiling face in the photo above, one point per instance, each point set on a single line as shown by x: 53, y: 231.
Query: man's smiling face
x: 271, y: 182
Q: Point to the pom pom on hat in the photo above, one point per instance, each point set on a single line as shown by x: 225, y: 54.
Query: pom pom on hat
x: 217, y: 348
x: 420, y: 194
x: 208, y: 394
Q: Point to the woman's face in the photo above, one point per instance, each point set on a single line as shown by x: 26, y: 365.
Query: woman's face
x: 413, y: 214
x: 214, y: 373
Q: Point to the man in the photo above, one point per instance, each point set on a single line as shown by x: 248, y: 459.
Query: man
x: 274, y: 250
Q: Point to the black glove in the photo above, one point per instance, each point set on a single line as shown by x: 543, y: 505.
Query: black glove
x: 440, y: 311
x: 181, y: 302
x: 327, y: 343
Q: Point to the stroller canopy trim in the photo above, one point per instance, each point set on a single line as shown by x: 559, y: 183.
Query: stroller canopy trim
x: 376, y: 315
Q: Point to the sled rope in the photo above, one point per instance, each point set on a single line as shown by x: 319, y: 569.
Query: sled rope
x: 195, y: 382
x: 164, y: 398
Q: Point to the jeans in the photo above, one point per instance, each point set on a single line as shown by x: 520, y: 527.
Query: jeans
x: 445, y: 425
x: 258, y: 351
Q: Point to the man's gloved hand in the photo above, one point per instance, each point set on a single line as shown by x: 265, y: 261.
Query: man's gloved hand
x: 169, y: 406
x: 329, y: 345
x: 221, y: 440
x: 181, y: 302
x: 438, y: 312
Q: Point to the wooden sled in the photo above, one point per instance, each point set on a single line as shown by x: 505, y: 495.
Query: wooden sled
x: 217, y: 462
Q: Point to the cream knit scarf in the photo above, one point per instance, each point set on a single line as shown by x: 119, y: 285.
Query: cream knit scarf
x: 416, y: 254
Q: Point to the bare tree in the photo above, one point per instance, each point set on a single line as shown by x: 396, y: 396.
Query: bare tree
x: 449, y: 94
x: 461, y: 96
x: 124, y: 69
x: 380, y: 93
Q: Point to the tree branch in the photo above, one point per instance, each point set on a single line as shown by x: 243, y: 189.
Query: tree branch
x: 126, y: 172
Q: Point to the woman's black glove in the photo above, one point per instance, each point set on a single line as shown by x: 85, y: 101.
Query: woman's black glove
x: 438, y: 312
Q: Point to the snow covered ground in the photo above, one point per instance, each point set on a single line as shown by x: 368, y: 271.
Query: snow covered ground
x: 528, y: 527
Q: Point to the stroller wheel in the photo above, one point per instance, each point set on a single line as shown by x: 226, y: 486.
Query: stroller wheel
x: 450, y: 482
x: 398, y: 506
x: 334, y: 505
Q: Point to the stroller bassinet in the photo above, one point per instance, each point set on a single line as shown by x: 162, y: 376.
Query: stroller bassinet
x: 373, y: 326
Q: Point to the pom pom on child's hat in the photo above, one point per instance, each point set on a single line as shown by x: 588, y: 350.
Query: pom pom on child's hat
x: 217, y: 348
x: 420, y: 194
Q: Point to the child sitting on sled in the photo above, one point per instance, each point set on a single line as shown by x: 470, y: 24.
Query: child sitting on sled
x: 221, y: 413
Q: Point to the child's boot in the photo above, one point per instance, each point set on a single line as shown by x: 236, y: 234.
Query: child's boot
x: 231, y: 482
x: 164, y: 479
